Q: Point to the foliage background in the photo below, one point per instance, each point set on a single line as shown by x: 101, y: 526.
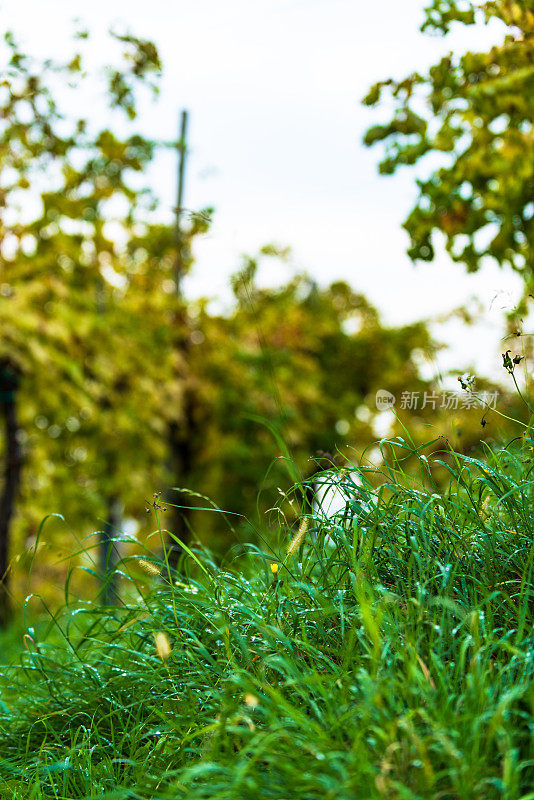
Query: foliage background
x: 111, y: 354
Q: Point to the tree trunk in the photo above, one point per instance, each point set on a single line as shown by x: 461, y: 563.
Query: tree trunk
x: 13, y: 463
x: 108, y: 552
x: 181, y: 446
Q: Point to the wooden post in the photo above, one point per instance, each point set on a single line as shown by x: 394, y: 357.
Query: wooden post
x: 13, y: 464
x: 181, y: 146
x: 108, y: 555
x: 108, y: 551
x: 180, y: 431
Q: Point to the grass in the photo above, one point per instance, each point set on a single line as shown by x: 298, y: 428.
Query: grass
x: 390, y: 656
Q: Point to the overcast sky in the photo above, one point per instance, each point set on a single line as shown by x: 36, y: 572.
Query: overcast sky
x: 273, y: 88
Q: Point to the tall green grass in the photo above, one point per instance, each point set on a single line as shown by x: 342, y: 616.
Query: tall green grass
x: 389, y: 655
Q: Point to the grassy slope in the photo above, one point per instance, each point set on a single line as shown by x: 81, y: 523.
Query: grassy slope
x: 390, y: 657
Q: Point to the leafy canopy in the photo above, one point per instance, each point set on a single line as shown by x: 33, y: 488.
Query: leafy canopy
x: 475, y: 112
x: 82, y: 262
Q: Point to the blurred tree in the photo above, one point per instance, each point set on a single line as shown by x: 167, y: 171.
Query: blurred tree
x: 308, y: 360
x: 100, y: 348
x: 87, y: 308
x: 475, y: 113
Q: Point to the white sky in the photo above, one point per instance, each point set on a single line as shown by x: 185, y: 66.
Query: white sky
x: 273, y: 90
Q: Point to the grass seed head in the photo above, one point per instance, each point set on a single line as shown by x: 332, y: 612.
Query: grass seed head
x: 298, y: 538
x: 251, y: 700
x: 149, y: 567
x: 163, y: 646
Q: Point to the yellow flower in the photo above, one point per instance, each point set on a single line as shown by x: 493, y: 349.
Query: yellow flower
x: 274, y: 568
